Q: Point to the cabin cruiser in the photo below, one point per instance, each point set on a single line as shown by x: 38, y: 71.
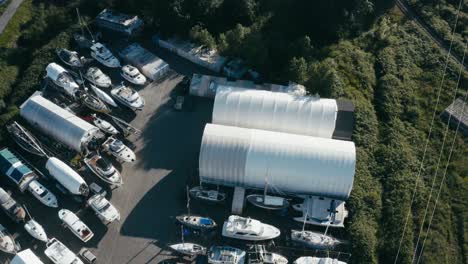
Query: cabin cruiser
x: 103, y: 169
x: 13, y: 209
x: 248, y: 229
x: 103, y: 96
x: 25, y: 139
x: 133, y: 75
x: 104, y: 126
x: 117, y: 149
x: 62, y: 78
x: 226, y: 255
x: 196, y: 222
x: 315, y: 260
x: 104, y: 210
x: 103, y: 55
x: 69, y: 57
x: 58, y: 253
x: 97, y: 77
x: 41, y: 193
x: 128, y: 97
x: 190, y: 249
x: 259, y: 255
x: 215, y: 196
x: 314, y: 239
x: 7, y: 242
x: 76, y: 226
x: 36, y: 230
x: 94, y: 103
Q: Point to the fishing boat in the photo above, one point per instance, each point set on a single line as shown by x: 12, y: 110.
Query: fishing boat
x: 103, y: 169
x: 58, y: 253
x: 13, y: 209
x: 104, y: 56
x: 315, y: 260
x: 248, y: 229
x: 259, y: 255
x: 196, y: 222
x: 133, y: 75
x: 103, y: 209
x: 128, y: 97
x: 97, y: 77
x: 104, y: 126
x: 190, y: 249
x: 36, y: 230
x: 94, y: 103
x: 215, y: 196
x: 76, y: 226
x: 314, y: 239
x: 103, y: 96
x: 226, y: 255
x: 62, y: 78
x: 43, y: 194
x: 71, y: 58
x: 126, y: 128
x: 25, y: 139
x: 7, y: 242
x: 117, y: 149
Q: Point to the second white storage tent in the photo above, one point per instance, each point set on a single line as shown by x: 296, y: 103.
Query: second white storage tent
x: 290, y: 163
x: 274, y: 111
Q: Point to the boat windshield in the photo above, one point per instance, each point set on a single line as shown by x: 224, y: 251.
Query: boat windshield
x: 43, y: 194
x: 117, y: 146
x: 104, y: 208
x: 103, y: 164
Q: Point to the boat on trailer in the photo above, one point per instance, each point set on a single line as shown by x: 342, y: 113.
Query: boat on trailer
x: 25, y: 139
x: 214, y: 196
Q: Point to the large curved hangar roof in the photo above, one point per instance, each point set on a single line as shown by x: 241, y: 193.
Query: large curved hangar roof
x: 290, y: 163
x: 274, y: 111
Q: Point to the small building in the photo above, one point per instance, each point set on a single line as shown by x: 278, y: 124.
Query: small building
x: 26, y: 256
x: 458, y: 113
x: 118, y: 22
x: 18, y: 172
x: 197, y: 54
x: 149, y: 64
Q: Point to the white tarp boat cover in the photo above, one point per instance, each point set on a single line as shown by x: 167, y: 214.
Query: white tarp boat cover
x: 57, y: 122
x: 274, y: 111
x: 290, y: 163
x: 26, y: 257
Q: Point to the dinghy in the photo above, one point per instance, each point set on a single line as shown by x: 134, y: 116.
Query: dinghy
x: 103, y: 169
x: 226, y: 255
x: 69, y: 57
x: 215, y: 196
x: 97, y: 77
x: 25, y: 139
x: 76, y: 226
x: 133, y: 75
x: 36, y: 230
x: 314, y: 239
x: 128, y: 97
x: 248, y: 229
x: 58, y: 253
x: 7, y: 242
x: 117, y: 149
x: 196, y: 222
x: 103, y: 55
x: 104, y: 126
x: 190, y: 249
x: 94, y: 103
x: 103, y: 209
x: 315, y: 260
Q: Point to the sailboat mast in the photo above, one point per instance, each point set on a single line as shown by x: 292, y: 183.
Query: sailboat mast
x: 188, y: 200
x: 305, y: 217
x: 79, y: 21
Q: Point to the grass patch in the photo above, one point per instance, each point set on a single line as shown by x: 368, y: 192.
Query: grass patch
x: 4, y: 6
x: 12, y: 31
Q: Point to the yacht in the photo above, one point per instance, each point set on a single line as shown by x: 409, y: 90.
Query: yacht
x: 43, y: 194
x: 190, y: 249
x: 103, y: 169
x: 226, y: 255
x: 133, y: 75
x: 76, y: 226
x: 104, y: 126
x: 104, y: 210
x: 36, y: 230
x: 13, y: 209
x: 196, y: 222
x: 71, y: 58
x: 128, y: 97
x: 97, y: 77
x: 7, y: 242
x: 248, y: 229
x: 103, y: 55
x: 117, y: 149
x: 315, y: 260
x: 62, y: 79
x: 314, y: 239
x: 58, y: 253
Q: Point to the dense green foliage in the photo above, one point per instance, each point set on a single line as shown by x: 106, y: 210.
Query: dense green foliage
x: 340, y: 49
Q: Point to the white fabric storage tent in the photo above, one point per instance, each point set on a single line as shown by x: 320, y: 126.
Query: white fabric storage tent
x: 274, y: 111
x: 290, y: 163
x: 57, y: 122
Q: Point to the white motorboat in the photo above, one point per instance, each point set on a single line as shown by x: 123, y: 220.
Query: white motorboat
x: 215, y: 196
x: 190, y: 249
x: 36, y: 230
x: 76, y: 226
x: 105, y: 126
x: 128, y: 97
x: 94, y: 103
x: 103, y: 169
x: 196, y: 222
x: 97, y: 77
x: 315, y: 260
x: 259, y: 255
x: 248, y: 229
x: 62, y: 78
x: 43, y: 194
x: 104, y: 56
x: 133, y: 75
x: 11, y: 208
x: 314, y: 239
x: 58, y: 253
x: 69, y: 57
x: 117, y: 149
x: 226, y: 255
x: 7, y: 242
x: 104, y: 210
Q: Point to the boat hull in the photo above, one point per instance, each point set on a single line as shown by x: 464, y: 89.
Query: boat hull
x: 207, y: 195
x: 259, y: 201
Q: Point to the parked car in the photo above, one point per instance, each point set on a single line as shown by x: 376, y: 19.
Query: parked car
x: 87, y: 256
